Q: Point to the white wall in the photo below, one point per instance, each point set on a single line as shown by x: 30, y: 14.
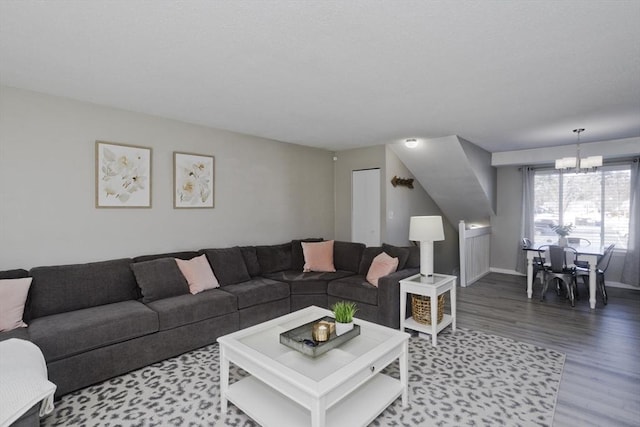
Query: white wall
x: 403, y: 203
x: 265, y: 191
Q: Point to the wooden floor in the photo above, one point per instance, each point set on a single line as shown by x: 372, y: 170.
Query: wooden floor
x: 601, y: 380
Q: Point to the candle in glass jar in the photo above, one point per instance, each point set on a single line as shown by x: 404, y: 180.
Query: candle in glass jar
x: 320, y: 332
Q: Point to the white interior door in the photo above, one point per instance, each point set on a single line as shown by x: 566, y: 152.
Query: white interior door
x: 365, y: 207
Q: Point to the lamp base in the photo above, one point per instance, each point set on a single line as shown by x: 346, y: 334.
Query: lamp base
x: 426, y: 259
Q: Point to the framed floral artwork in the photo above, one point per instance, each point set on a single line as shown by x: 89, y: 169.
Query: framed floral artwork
x: 193, y: 178
x: 123, y: 176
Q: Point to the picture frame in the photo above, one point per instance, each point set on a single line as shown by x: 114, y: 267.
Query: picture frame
x: 123, y: 175
x: 193, y: 180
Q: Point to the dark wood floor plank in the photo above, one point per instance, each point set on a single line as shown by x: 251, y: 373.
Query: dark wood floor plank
x: 601, y: 379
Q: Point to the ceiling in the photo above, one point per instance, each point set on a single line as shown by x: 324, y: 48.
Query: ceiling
x: 505, y: 75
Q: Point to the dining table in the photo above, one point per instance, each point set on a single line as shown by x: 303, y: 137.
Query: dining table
x: 589, y: 253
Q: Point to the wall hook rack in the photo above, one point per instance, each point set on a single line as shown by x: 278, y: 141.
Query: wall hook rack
x: 403, y: 182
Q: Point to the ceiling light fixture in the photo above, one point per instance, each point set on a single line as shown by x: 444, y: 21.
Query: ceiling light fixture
x: 411, y: 143
x: 577, y: 163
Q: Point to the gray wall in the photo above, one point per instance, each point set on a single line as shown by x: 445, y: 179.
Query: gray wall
x: 265, y: 191
x: 505, y: 237
x: 401, y: 201
x: 450, y: 176
x: 505, y: 225
x: 347, y: 161
x: 480, y: 161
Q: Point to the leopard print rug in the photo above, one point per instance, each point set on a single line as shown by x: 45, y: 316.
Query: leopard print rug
x: 469, y: 379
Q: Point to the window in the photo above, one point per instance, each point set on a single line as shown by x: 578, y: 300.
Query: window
x: 596, y: 203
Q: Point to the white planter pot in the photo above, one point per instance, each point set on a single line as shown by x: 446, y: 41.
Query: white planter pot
x: 343, y: 328
x: 562, y: 241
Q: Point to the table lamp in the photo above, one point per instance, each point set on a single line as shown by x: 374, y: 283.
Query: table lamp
x: 426, y: 230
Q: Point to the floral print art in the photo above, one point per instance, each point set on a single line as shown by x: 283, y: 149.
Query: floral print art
x: 123, y: 176
x: 193, y: 180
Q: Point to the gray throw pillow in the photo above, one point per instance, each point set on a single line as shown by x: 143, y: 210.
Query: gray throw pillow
x: 347, y: 255
x: 297, y: 255
x: 159, y: 278
x: 251, y: 260
x: 274, y: 258
x: 228, y: 265
x: 397, y: 252
x: 368, y: 255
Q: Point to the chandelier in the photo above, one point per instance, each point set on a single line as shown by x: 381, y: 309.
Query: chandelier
x: 577, y: 163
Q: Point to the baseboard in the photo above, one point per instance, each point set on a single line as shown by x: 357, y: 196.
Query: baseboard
x: 505, y: 271
x: 474, y: 280
x: 609, y: 283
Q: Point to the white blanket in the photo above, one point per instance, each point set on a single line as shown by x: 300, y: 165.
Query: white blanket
x: 23, y: 380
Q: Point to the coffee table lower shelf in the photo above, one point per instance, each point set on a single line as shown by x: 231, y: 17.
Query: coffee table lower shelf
x: 268, y: 407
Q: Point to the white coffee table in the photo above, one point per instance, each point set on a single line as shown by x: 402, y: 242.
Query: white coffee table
x: 343, y: 387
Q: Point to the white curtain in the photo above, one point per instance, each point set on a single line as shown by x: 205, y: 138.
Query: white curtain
x: 526, y: 222
x: 631, y: 268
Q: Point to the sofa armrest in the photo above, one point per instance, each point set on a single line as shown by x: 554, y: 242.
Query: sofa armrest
x: 389, y: 297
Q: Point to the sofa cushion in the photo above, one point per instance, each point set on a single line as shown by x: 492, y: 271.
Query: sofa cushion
x: 367, y: 258
x: 251, y: 260
x: 198, y: 273
x: 179, y: 255
x: 354, y: 288
x: 63, y: 288
x: 63, y: 335
x: 414, y: 257
x: 297, y: 256
x: 20, y: 333
x: 228, y: 265
x: 258, y: 291
x: 186, y: 309
x: 347, y: 255
x: 274, y: 258
x: 17, y: 273
x: 397, y: 252
x: 308, y: 283
x: 159, y: 278
x: 13, y: 296
x: 382, y: 265
x: 318, y: 256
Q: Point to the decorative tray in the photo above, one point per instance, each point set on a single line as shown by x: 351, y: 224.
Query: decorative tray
x: 301, y: 338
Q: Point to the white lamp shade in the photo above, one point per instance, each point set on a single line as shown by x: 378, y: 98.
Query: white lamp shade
x: 567, y: 163
x: 591, y: 162
x: 426, y: 228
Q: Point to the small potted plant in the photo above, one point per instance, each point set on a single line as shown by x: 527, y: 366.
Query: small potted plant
x: 563, y: 231
x: 344, y: 311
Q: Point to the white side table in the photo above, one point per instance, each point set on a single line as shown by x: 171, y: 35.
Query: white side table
x: 432, y: 287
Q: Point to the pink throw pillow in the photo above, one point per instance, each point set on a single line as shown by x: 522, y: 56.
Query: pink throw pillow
x: 198, y: 273
x: 13, y: 296
x: 382, y: 265
x: 318, y: 256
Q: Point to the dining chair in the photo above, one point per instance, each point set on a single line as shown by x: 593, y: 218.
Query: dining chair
x: 601, y: 268
x: 537, y: 262
x: 558, y: 269
x: 579, y: 241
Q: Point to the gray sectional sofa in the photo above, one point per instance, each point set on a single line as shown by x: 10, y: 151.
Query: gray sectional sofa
x: 98, y: 320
